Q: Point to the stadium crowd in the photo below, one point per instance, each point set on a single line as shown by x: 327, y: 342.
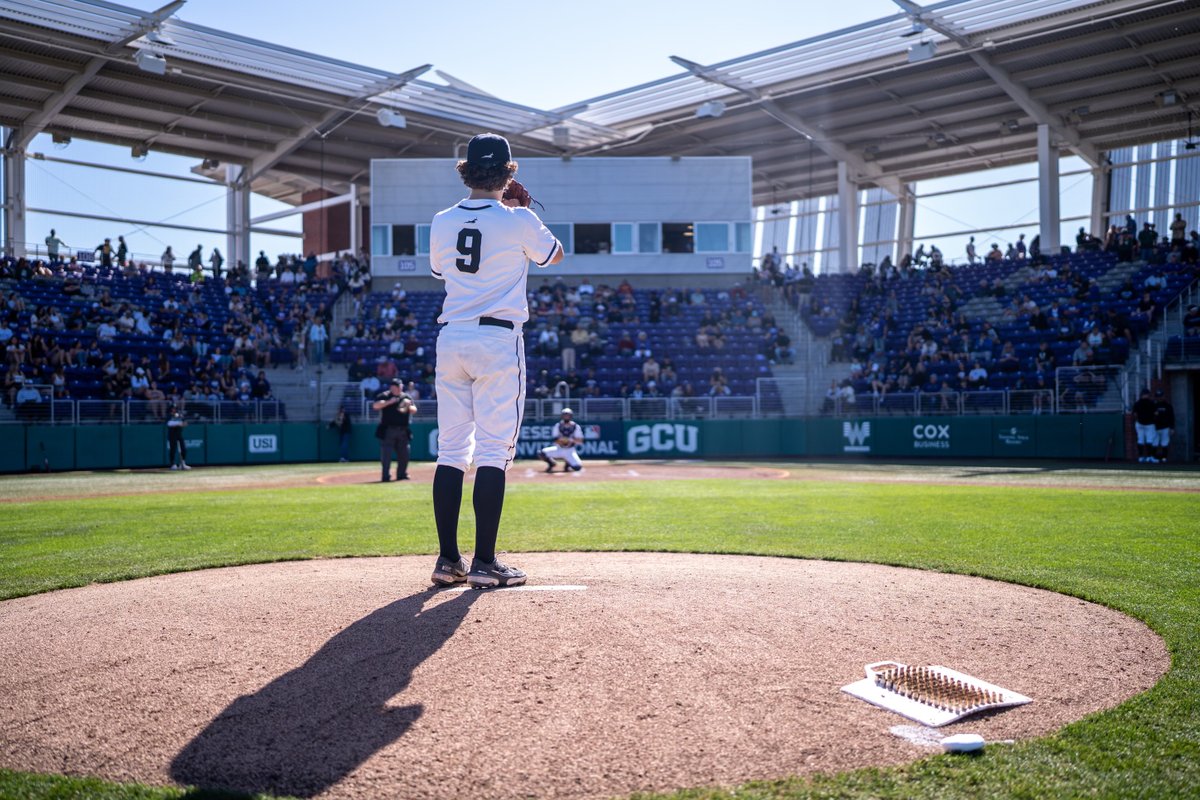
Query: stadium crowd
x: 119, y: 332
x: 1001, y: 323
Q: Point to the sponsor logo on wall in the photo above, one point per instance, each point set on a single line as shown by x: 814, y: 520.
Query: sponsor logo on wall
x: 931, y: 437
x: 264, y: 443
x: 663, y: 437
x: 1013, y: 437
x: 856, y: 435
x: 534, y: 437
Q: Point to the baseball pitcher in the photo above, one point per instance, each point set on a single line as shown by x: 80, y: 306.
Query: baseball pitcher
x: 480, y: 248
x: 567, y: 436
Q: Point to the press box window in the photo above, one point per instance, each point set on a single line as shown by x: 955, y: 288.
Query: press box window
x: 562, y: 232
x: 423, y: 240
x: 649, y: 238
x: 404, y: 240
x: 381, y: 240
x: 743, y: 237
x: 622, y: 237
x: 712, y: 237
x: 678, y: 237
x: 593, y: 238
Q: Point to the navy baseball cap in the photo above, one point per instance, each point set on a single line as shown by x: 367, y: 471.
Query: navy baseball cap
x: 488, y: 148
x: 396, y: 382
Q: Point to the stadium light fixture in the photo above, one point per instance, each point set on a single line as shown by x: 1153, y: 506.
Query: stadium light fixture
x: 139, y: 152
x: 712, y: 109
x: 561, y: 135
x: 1168, y: 98
x: 921, y: 51
x: 61, y: 141
x: 391, y: 119
x: 156, y: 36
x: 151, y: 62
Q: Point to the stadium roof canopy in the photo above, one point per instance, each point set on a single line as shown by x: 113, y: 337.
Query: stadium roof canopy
x: 981, y: 77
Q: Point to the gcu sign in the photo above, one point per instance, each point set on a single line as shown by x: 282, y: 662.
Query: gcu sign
x: 664, y: 437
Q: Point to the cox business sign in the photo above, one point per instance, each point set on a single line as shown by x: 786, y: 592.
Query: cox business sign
x: 663, y: 438
x: 931, y: 437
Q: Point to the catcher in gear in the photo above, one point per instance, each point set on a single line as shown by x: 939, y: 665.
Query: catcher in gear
x: 567, y: 436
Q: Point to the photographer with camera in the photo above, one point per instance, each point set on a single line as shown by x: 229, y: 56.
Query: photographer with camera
x: 393, y: 432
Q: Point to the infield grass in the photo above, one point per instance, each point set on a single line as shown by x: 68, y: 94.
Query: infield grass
x: 1135, y: 551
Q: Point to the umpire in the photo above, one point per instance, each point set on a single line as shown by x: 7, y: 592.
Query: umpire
x: 394, y: 433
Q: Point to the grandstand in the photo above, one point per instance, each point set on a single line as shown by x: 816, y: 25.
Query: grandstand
x: 834, y: 181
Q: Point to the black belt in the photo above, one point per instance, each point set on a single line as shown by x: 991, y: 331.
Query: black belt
x: 499, y: 323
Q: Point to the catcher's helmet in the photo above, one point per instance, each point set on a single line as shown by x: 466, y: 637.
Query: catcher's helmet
x: 566, y: 412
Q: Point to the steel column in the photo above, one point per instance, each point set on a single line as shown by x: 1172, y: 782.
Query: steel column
x: 1048, y: 193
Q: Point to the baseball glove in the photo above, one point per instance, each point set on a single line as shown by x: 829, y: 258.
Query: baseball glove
x: 517, y: 195
x: 562, y: 441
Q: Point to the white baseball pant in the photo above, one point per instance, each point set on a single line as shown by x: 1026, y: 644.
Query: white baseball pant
x: 567, y: 454
x: 480, y: 394
x: 1146, y: 434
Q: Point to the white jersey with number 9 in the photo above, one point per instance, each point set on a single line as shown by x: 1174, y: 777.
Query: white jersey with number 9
x: 479, y: 248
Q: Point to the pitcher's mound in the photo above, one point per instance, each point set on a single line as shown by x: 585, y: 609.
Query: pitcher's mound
x: 615, y: 673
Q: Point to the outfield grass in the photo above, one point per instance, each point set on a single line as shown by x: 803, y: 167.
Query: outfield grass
x: 1135, y: 551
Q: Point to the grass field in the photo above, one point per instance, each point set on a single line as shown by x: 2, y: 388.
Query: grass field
x: 1137, y: 551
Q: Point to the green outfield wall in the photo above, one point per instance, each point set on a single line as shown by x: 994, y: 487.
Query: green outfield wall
x: 1092, y: 436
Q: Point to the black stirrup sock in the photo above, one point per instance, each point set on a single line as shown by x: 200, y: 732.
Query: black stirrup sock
x: 489, y: 502
x: 447, y: 499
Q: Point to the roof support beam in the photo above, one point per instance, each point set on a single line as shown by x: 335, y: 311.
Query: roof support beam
x: 333, y: 119
x: 863, y: 170
x: 1017, y: 91
x: 56, y: 103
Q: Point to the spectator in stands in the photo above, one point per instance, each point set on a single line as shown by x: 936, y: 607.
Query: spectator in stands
x: 1178, y: 231
x: 370, y: 386
x: 1191, y: 321
x: 994, y: 254
x: 105, y: 249
x: 1009, y: 362
x: 28, y: 403
x: 1043, y: 397
x: 977, y: 377
x: 1145, y: 308
x: 650, y: 369
x: 261, y: 387
x: 53, y: 246
x: 1083, y: 355
x: 317, y: 338
x: 1147, y: 239
x: 1022, y: 251
x: 15, y: 353
x: 122, y: 251
x: 971, y: 256
x: 642, y: 345
x: 216, y: 260
x: 547, y: 343
x: 783, y: 350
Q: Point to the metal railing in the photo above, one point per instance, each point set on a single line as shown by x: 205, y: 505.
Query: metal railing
x: 145, y: 412
x: 602, y: 409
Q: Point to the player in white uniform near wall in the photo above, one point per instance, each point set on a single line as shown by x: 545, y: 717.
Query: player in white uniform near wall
x: 480, y: 248
x: 567, y: 437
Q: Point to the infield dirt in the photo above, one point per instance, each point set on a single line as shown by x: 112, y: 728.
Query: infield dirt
x: 351, y: 678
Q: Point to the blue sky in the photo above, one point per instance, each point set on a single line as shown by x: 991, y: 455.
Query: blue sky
x: 537, y: 53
